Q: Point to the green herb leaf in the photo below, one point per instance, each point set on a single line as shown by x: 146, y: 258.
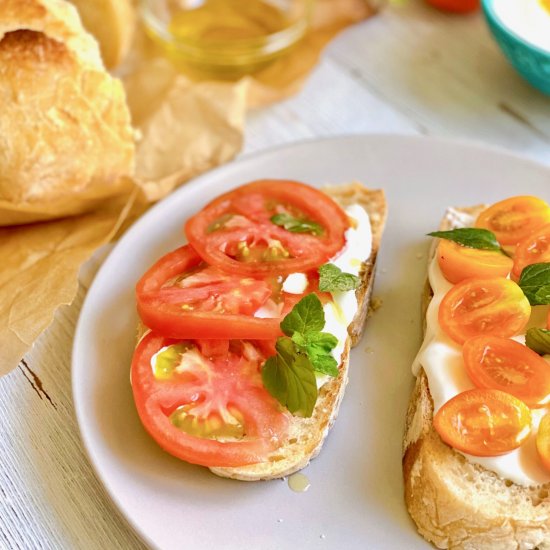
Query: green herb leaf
x: 306, y: 316
x: 317, y: 346
x: 332, y: 278
x: 535, y: 283
x: 538, y: 339
x: 289, y: 377
x: 295, y: 225
x: 325, y: 364
x: 471, y: 237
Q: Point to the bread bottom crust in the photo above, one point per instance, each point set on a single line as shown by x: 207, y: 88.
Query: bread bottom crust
x: 458, y: 504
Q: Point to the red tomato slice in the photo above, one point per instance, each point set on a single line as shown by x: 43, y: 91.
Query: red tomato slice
x: 181, y: 297
x: 506, y: 365
x: 543, y: 441
x: 511, y: 220
x: 459, y: 262
x: 534, y: 249
x: 479, y: 306
x: 212, y: 411
x: 483, y: 422
x: 235, y: 232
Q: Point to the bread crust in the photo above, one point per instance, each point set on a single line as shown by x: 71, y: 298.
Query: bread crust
x: 66, y: 140
x: 456, y: 503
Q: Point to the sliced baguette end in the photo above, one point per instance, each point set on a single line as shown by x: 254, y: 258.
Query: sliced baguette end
x: 455, y: 503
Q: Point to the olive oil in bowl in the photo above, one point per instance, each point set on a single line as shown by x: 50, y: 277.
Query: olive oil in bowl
x: 226, y: 37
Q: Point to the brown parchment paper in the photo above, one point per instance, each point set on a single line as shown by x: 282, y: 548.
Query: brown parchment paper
x: 183, y: 128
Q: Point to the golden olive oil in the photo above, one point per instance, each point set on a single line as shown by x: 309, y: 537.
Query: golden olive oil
x: 222, y: 21
x: 231, y: 37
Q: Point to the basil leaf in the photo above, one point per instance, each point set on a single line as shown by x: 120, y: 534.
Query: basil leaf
x: 325, y: 364
x: 332, y: 278
x: 538, y: 339
x: 317, y: 346
x: 289, y: 377
x: 535, y: 283
x: 295, y: 225
x: 471, y: 237
x: 306, y: 316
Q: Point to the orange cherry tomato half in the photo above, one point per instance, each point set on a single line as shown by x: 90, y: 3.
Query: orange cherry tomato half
x: 543, y: 441
x: 457, y: 6
x: 459, y: 262
x: 511, y: 220
x: 503, y: 364
x: 534, y: 249
x: 483, y: 422
x: 484, y: 306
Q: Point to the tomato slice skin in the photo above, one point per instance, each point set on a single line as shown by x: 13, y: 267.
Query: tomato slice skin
x: 483, y: 422
x: 459, y: 262
x: 160, y: 307
x: 477, y: 306
x: 221, y: 384
x: 534, y: 249
x: 512, y: 219
x: 503, y: 364
x: 250, y: 204
x: 543, y: 441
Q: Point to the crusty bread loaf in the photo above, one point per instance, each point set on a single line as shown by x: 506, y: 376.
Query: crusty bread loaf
x: 456, y: 503
x: 306, y: 435
x: 66, y: 140
x: 112, y: 22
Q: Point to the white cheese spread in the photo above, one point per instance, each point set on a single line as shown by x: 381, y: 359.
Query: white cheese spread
x: 441, y: 359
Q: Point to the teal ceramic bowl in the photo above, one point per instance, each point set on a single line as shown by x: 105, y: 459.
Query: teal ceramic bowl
x: 531, y: 62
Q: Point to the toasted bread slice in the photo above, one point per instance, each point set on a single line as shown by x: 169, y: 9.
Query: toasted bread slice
x: 456, y: 503
x: 306, y: 435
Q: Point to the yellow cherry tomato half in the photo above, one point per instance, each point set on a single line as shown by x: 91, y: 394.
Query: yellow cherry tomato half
x: 483, y: 422
x: 511, y: 220
x: 543, y: 441
x: 459, y: 262
x: 503, y: 364
x: 479, y: 306
x: 534, y: 249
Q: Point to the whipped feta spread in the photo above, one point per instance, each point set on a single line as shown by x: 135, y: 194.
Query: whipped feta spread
x: 339, y: 313
x: 529, y: 19
x: 441, y: 359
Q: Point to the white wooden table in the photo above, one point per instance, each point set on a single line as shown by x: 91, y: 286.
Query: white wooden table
x: 409, y: 70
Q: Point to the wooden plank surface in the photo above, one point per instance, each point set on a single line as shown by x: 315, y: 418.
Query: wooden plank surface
x: 408, y: 70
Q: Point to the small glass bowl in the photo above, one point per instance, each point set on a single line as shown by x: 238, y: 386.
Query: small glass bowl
x: 210, y: 36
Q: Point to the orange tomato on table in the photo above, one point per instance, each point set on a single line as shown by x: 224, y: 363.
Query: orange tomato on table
x: 458, y: 6
x: 458, y: 262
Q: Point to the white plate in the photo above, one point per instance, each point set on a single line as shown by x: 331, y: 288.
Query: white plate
x: 355, y: 499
